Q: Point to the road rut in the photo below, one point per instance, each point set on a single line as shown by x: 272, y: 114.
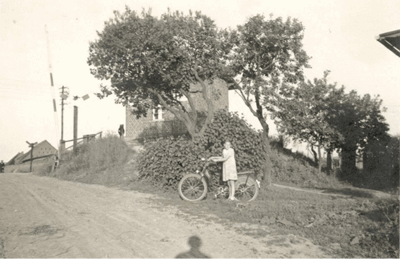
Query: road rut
x: 48, y: 217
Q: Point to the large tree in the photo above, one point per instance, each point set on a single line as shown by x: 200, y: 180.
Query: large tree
x: 303, y: 115
x: 266, y: 54
x: 327, y: 117
x: 150, y: 61
x: 359, y: 122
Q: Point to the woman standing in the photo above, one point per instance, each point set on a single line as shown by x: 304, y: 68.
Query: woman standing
x: 229, y: 172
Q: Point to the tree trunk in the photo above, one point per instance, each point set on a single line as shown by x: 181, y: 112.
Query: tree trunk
x: 319, y: 159
x: 329, y: 160
x: 315, y: 154
x: 348, y: 165
x: 190, y: 119
x: 267, y: 166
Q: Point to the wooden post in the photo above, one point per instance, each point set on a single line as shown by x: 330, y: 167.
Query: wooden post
x: 62, y: 146
x: 75, y: 128
x: 62, y: 114
x: 30, y: 169
x: 31, y: 145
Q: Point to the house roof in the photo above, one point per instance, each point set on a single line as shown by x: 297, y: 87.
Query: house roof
x: 390, y: 40
x: 15, y: 158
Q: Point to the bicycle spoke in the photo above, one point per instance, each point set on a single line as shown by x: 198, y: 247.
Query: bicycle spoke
x: 245, y: 192
x: 193, y: 188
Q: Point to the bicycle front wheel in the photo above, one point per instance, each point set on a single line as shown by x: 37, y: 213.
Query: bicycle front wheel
x: 246, y: 189
x: 192, y: 187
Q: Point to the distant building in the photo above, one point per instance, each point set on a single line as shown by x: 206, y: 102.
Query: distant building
x: 159, y: 122
x: 16, y: 159
x: 40, y: 150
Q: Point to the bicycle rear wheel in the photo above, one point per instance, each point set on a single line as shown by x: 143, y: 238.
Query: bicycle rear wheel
x: 246, y: 188
x: 192, y: 187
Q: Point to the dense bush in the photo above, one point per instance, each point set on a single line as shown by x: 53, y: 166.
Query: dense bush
x: 385, y: 171
x: 246, y: 141
x: 167, y: 160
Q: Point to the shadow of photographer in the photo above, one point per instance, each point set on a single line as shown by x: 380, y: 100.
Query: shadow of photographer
x: 194, y: 252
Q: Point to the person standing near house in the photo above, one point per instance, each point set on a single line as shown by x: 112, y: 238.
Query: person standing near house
x: 1, y: 166
x: 121, y: 131
x: 229, y: 172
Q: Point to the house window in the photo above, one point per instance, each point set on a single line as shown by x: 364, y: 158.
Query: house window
x: 158, y: 114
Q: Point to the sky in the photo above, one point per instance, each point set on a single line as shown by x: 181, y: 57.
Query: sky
x: 339, y: 36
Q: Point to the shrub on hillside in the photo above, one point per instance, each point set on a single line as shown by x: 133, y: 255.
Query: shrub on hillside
x: 296, y: 168
x: 107, y: 151
x: 95, y: 155
x: 245, y: 140
x: 167, y: 160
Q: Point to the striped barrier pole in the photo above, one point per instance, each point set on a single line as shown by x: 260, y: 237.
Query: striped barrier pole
x: 52, y: 90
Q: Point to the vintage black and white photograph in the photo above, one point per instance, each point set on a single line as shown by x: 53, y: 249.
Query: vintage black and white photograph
x: 199, y: 128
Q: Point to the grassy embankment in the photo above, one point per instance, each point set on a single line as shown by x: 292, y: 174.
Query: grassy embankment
x: 356, y: 225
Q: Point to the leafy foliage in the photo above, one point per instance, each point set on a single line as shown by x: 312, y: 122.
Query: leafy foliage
x: 358, y: 121
x: 381, y: 164
x: 168, y: 159
x: 266, y: 53
x: 153, y: 61
x: 327, y: 117
x: 246, y: 142
x: 302, y: 115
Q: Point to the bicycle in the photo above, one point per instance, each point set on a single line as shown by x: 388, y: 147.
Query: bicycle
x: 194, y: 186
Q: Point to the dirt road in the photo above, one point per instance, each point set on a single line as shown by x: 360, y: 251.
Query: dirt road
x: 47, y: 217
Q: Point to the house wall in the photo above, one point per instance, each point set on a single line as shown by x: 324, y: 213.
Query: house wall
x: 42, y: 149
x: 146, y: 127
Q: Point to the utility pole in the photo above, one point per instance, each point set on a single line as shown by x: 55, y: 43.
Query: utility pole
x: 31, y: 145
x: 85, y: 97
x: 64, y: 96
x: 62, y: 114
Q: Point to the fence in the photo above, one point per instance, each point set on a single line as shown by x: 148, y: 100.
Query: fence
x: 84, y: 139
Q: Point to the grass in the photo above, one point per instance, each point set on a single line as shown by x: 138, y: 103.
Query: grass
x: 326, y: 220
x: 37, y: 165
x: 99, y: 161
x: 360, y: 226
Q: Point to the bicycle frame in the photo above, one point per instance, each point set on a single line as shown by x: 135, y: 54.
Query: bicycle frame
x: 204, y: 172
x: 207, y: 176
x: 194, y: 186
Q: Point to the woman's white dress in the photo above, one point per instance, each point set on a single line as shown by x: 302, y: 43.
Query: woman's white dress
x: 229, y: 166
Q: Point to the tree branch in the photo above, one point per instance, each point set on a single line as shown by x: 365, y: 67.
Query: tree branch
x: 210, y: 104
x: 246, y: 101
x: 257, y: 96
